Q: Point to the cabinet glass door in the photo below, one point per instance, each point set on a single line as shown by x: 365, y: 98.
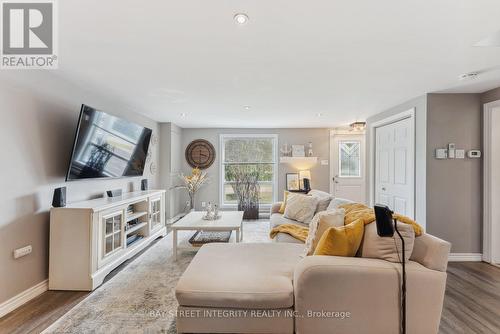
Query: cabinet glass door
x: 155, y: 213
x: 113, y: 235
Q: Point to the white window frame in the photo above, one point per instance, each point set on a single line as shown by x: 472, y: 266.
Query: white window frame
x: 350, y: 141
x: 274, y: 182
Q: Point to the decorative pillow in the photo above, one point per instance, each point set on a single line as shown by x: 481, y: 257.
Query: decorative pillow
x: 300, y: 207
x: 336, y: 202
x: 323, y: 199
x: 385, y: 247
x: 341, y: 241
x: 283, y: 204
x: 323, y: 204
x: 319, y: 224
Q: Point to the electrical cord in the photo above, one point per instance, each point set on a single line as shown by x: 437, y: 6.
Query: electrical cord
x: 403, y: 285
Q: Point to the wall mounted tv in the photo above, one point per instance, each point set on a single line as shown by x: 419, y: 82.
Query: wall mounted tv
x: 107, y: 146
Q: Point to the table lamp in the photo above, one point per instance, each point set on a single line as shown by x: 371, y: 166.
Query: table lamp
x: 305, y: 179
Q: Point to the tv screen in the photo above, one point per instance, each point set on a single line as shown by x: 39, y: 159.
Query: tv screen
x: 107, y: 146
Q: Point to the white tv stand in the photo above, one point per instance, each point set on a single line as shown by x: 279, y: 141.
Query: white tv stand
x: 89, y: 239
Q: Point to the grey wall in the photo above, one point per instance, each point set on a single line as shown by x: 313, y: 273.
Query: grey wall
x: 420, y: 105
x: 454, y: 186
x: 39, y: 113
x: 319, y: 174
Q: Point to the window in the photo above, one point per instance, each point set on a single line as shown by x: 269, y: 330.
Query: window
x: 349, y: 159
x: 249, y: 153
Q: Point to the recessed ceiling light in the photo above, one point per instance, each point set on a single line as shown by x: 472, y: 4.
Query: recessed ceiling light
x: 183, y: 114
x: 241, y: 18
x: 247, y: 107
x: 319, y: 114
x: 468, y: 76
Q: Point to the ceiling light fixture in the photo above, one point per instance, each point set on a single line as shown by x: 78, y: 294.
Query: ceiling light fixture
x: 241, y: 18
x: 247, y: 107
x: 468, y: 76
x: 358, y: 126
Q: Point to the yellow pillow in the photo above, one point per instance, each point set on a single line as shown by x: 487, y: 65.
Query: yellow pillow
x: 283, y: 204
x: 341, y: 241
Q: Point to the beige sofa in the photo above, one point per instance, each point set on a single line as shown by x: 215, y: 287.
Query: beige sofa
x: 273, y: 288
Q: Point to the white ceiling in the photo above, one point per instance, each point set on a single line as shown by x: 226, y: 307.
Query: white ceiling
x: 294, y: 59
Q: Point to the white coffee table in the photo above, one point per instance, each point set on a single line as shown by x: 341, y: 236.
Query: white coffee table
x: 229, y: 221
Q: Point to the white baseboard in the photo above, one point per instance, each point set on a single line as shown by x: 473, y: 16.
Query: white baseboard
x: 24, y: 297
x: 465, y: 257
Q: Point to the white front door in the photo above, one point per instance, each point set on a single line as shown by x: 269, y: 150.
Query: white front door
x: 347, y: 159
x: 394, y: 166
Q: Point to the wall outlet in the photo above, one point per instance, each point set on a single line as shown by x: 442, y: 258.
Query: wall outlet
x: 20, y: 252
x: 203, y: 204
x: 324, y: 162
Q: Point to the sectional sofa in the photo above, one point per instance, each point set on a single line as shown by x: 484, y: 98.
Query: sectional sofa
x: 273, y: 288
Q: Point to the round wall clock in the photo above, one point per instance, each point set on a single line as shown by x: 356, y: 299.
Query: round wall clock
x: 200, y: 153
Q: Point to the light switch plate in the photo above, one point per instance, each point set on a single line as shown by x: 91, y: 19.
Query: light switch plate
x: 441, y: 153
x: 23, y: 251
x: 459, y: 154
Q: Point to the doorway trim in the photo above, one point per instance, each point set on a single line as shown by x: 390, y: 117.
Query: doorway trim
x: 489, y: 225
x: 410, y: 113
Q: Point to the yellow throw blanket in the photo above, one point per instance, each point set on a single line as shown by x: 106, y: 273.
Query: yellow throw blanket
x: 353, y: 212
x: 298, y: 232
x: 357, y: 211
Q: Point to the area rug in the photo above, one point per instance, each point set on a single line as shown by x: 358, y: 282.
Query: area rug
x: 141, y: 297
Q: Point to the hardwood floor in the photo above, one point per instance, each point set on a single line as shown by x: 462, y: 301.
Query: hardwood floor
x: 472, y: 303
x: 472, y: 300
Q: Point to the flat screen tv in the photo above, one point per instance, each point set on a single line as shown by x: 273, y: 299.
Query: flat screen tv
x: 107, y: 146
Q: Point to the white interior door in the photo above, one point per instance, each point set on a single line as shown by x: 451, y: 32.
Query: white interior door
x: 394, y: 166
x: 347, y: 159
x: 491, y: 183
x: 495, y: 185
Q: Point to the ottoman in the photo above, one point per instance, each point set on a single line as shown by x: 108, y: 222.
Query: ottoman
x: 239, y: 288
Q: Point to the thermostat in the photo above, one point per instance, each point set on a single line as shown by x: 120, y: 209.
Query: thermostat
x: 474, y: 154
